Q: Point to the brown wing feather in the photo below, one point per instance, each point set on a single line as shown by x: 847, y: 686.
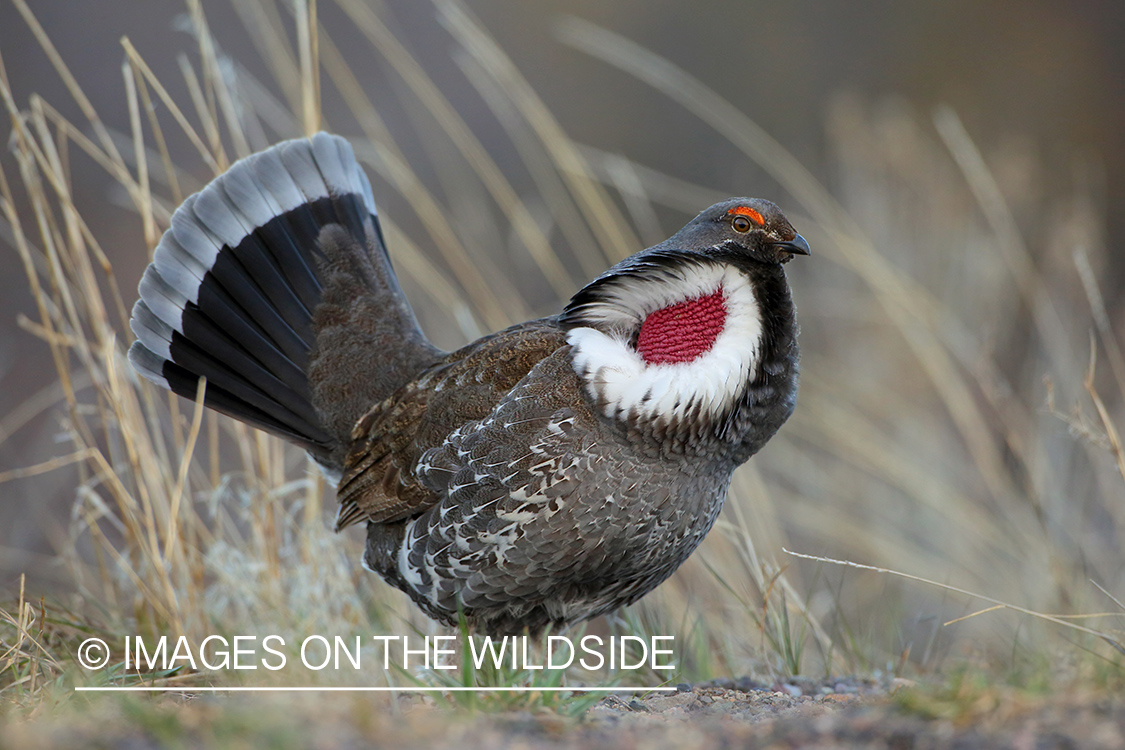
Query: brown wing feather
x: 379, y: 483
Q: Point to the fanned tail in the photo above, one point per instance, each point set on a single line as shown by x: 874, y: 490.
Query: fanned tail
x: 273, y: 282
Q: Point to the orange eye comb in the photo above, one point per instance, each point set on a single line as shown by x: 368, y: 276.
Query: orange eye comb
x: 749, y: 213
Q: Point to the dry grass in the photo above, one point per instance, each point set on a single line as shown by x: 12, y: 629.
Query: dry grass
x: 926, y: 439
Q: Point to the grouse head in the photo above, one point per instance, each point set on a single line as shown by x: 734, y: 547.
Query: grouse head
x: 752, y: 228
x: 679, y: 341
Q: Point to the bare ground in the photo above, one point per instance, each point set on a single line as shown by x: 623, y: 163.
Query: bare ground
x: 848, y: 715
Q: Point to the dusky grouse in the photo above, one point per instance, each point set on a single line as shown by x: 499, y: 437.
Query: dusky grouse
x: 541, y: 475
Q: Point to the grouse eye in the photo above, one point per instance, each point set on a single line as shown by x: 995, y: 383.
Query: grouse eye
x: 741, y: 224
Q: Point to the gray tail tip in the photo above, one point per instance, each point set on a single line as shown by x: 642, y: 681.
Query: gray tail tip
x: 148, y: 363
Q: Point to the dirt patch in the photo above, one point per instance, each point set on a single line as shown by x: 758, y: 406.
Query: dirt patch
x: 865, y: 716
x: 744, y: 700
x: 843, y: 714
x: 708, y: 716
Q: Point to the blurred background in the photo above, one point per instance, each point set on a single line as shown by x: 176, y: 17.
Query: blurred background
x: 944, y: 426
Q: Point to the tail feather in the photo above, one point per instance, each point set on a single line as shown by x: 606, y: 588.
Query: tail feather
x: 236, y: 282
x: 251, y: 276
x: 183, y: 382
x: 239, y: 375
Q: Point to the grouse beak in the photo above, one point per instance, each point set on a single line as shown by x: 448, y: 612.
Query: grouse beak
x: 796, y: 246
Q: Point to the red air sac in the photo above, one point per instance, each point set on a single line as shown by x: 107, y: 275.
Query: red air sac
x: 684, y: 331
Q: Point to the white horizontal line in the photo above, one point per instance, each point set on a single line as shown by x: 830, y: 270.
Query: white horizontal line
x: 366, y: 689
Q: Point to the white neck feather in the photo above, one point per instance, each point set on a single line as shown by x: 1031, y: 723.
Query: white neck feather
x: 620, y: 379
